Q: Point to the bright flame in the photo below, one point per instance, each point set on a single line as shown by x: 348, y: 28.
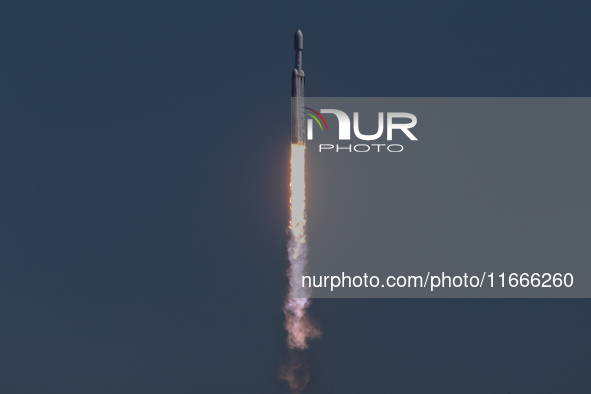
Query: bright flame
x: 298, y: 325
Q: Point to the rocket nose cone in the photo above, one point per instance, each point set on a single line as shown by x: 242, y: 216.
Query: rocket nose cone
x: 298, y: 40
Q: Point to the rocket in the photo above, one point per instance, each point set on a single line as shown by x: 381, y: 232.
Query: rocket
x: 298, y: 79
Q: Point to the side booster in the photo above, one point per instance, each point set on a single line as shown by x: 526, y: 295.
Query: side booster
x: 298, y: 132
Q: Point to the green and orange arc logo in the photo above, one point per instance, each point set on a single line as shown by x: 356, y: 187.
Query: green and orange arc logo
x: 316, y: 117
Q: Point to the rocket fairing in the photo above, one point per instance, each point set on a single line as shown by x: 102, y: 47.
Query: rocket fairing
x: 298, y: 78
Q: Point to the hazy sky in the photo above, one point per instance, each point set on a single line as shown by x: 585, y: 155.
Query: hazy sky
x: 144, y: 172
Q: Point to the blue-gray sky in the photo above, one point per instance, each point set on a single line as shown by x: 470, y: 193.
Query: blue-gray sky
x: 144, y: 171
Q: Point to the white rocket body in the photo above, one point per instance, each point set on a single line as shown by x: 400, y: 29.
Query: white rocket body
x: 298, y: 78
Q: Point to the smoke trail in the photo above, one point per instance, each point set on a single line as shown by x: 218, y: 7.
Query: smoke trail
x: 299, y: 327
x: 295, y: 373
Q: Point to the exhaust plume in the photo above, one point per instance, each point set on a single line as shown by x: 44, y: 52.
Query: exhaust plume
x: 300, y: 328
